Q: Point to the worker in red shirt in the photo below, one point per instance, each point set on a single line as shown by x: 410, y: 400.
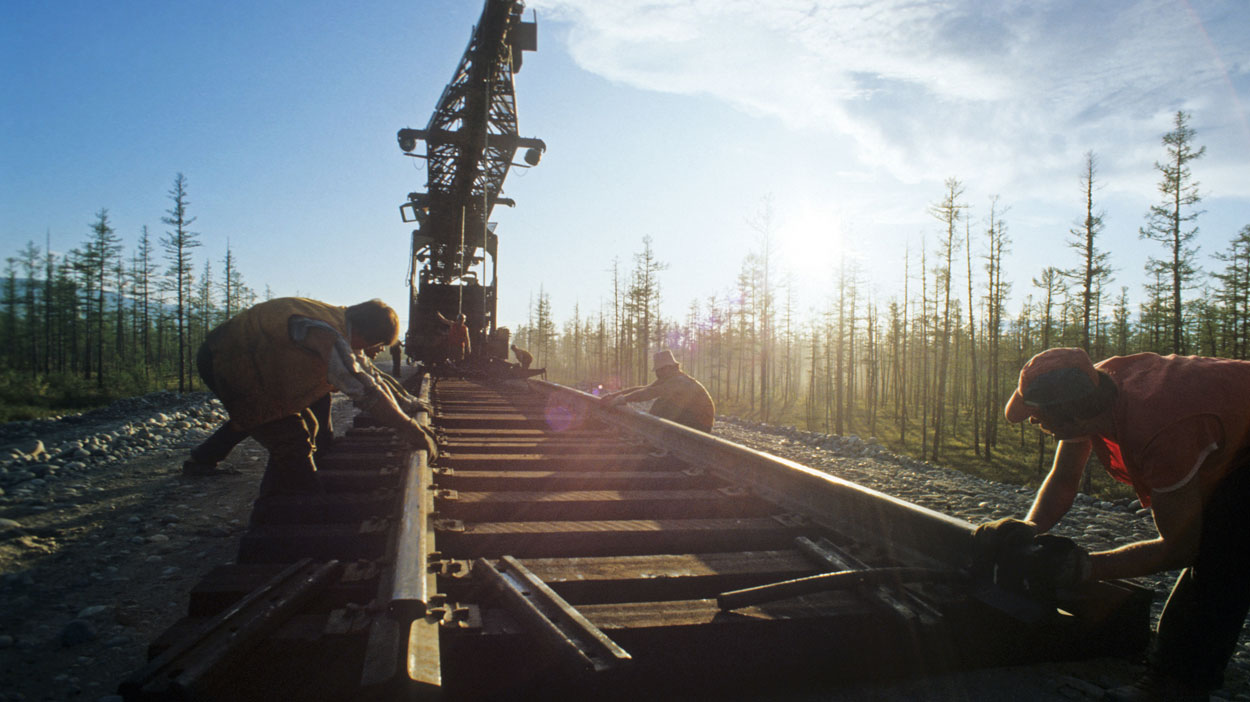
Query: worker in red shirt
x: 458, y: 346
x: 1176, y: 428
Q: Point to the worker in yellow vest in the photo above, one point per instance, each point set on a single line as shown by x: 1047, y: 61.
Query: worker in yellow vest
x: 274, y: 366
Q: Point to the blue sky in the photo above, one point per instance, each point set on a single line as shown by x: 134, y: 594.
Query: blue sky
x: 669, y: 118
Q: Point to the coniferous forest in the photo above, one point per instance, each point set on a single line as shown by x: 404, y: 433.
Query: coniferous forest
x: 925, y: 370
x: 97, y: 322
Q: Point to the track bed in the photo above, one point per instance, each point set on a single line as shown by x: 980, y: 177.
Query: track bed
x: 557, y: 549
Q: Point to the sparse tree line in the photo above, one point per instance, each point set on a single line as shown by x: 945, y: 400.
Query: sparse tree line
x: 101, y: 321
x: 928, y: 367
x: 936, y: 361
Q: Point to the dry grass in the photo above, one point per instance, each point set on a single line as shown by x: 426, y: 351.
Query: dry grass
x: 1015, y: 458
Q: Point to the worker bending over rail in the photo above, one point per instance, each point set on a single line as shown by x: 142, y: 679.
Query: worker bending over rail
x: 274, y: 366
x: 525, y: 358
x: 1176, y: 428
x: 678, y: 397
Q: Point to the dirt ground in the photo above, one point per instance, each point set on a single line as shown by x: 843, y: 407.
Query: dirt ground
x: 88, y: 581
x: 119, y: 563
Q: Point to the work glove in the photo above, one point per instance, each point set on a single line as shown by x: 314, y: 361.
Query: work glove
x: 419, y: 437
x: 993, y: 539
x: 412, y: 406
x: 1057, y: 562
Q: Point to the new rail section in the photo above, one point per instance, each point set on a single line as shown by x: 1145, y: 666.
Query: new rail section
x: 556, y: 549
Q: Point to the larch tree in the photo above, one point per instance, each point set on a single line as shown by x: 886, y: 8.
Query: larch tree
x: 644, y: 293
x: 764, y: 224
x: 1233, y: 294
x: 203, y: 304
x: 617, y: 365
x: 900, y: 410
x: 972, y: 345
x: 231, y: 284
x: 788, y: 335
x: 1092, y: 270
x: 144, y: 278
x: 997, y: 291
x: 49, y: 287
x: 102, y: 247
x: 1121, y: 322
x: 1050, y: 282
x: 1155, y: 313
x: 853, y: 285
x: 949, y: 211
x: 177, y: 244
x: 922, y: 346
x: 544, y: 326
x: 29, y: 258
x: 813, y: 388
x: 119, y: 309
x: 1170, y: 222
x: 9, y: 301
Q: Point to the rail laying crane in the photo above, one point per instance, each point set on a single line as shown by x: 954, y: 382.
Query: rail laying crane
x: 471, y: 141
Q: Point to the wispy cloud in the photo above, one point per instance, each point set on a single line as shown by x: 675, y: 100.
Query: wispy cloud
x: 926, y: 89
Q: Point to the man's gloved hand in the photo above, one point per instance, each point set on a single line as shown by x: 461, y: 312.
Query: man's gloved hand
x: 419, y: 437
x: 1058, y: 562
x: 1003, y: 535
x: 412, y: 406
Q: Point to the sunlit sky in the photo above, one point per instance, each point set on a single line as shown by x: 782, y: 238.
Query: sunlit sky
x: 676, y: 119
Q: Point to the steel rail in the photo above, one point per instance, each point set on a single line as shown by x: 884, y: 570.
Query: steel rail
x: 910, y: 532
x: 567, y: 491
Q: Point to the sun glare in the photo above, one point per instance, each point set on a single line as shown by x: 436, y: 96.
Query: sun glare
x: 809, y: 245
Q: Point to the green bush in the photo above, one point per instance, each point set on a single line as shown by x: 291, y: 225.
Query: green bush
x: 30, y: 397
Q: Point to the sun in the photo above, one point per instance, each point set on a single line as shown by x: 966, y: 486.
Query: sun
x: 809, y: 245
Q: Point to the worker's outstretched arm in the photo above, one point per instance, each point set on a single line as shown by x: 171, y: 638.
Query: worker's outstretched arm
x: 1058, y: 491
x: 345, y: 372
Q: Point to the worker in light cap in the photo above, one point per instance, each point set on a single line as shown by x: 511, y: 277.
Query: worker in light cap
x: 677, y: 396
x: 1176, y: 428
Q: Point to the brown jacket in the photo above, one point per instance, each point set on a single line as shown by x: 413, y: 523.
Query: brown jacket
x: 261, y: 374
x: 679, y: 398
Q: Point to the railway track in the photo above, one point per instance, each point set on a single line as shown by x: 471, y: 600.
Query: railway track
x: 556, y: 549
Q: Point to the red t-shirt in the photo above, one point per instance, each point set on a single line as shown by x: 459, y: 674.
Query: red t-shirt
x: 1176, y: 418
x: 458, y: 334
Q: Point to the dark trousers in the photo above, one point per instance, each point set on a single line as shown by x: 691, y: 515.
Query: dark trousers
x: 216, y: 447
x: 1202, y: 619
x: 292, y: 441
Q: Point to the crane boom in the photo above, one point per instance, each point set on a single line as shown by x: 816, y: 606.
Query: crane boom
x: 470, y: 141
